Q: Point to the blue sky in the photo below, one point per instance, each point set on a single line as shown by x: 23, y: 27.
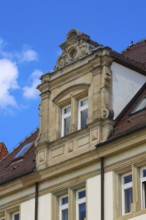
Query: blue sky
x: 30, y: 35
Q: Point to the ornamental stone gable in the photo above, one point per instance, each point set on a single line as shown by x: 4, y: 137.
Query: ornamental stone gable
x: 76, y: 101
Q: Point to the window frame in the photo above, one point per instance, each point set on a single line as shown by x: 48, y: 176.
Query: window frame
x: 13, y: 215
x: 137, y: 108
x: 80, y: 109
x: 63, y: 117
x: 142, y: 180
x: 79, y: 201
x: 62, y: 206
x: 124, y: 187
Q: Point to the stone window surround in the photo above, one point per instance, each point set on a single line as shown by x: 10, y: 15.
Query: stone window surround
x: 72, y: 201
x: 137, y: 206
x: 9, y: 213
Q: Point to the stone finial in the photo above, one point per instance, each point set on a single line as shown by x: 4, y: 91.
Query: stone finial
x: 76, y: 46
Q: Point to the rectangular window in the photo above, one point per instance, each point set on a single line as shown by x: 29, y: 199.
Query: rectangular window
x: 63, y: 207
x: 143, y: 187
x: 66, y: 120
x: 126, y: 193
x: 15, y: 216
x: 82, y: 113
x: 81, y: 204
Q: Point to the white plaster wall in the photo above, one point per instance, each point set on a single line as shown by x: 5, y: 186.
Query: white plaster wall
x: 140, y: 217
x: 44, y: 211
x: 93, y: 198
x: 125, y: 84
x: 27, y: 210
x: 109, y: 206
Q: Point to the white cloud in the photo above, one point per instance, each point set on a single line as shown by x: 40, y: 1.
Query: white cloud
x: 8, y: 82
x: 30, y: 92
x: 28, y: 55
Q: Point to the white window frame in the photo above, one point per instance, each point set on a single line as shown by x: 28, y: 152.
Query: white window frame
x: 62, y: 206
x: 13, y: 215
x: 142, y: 179
x: 79, y: 201
x: 125, y: 186
x: 64, y: 116
x: 80, y: 109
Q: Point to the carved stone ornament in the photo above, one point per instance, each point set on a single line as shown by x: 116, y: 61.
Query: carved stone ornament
x: 76, y: 46
x: 106, y: 113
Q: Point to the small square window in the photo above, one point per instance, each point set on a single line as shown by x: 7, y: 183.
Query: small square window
x: 82, y: 113
x: 63, y: 207
x: 127, y: 197
x: 66, y: 120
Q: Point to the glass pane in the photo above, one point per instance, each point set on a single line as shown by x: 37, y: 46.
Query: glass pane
x: 23, y: 150
x: 84, y: 102
x: 84, y: 115
x: 144, y: 194
x: 65, y: 214
x: 144, y: 173
x: 16, y: 217
x: 64, y: 200
x: 140, y: 106
x: 82, y: 211
x: 67, y: 110
x: 66, y: 125
x: 128, y: 179
x: 128, y: 199
x: 82, y: 194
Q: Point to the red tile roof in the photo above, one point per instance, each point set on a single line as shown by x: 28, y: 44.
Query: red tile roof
x: 137, y: 52
x: 12, y: 168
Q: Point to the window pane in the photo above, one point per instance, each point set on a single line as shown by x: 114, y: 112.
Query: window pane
x: 84, y: 102
x: 84, y: 115
x: 82, y: 211
x: 140, y: 106
x: 64, y: 200
x: 144, y: 194
x: 67, y: 110
x: 65, y: 214
x: 128, y: 179
x: 128, y: 199
x: 144, y: 173
x: 82, y: 194
x: 66, y: 125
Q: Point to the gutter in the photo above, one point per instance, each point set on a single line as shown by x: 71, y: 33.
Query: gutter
x: 120, y: 136
x: 102, y: 188
x: 36, y: 200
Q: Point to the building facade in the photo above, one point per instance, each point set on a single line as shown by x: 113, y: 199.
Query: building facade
x: 87, y: 160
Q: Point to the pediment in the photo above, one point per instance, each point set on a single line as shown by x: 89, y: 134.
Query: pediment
x: 75, y: 90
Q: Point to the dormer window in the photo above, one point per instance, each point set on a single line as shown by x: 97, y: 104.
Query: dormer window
x: 141, y: 106
x: 66, y: 120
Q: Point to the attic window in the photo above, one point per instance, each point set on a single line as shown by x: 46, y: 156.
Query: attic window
x: 141, y: 106
x: 23, y: 150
